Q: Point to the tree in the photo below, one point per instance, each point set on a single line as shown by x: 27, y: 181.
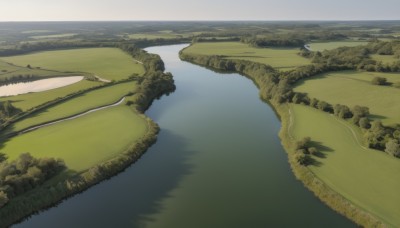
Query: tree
x: 359, y: 112
x: 3, y: 199
x: 342, y: 111
x: 364, y: 123
x: 302, y: 159
x: 3, y: 157
x: 303, y: 144
x: 323, y: 106
x: 392, y: 147
x: 314, y: 102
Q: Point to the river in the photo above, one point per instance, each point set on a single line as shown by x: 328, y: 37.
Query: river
x: 218, y: 162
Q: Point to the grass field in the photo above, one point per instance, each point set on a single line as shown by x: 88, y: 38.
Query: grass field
x: 30, y: 100
x: 280, y: 58
x: 320, y: 46
x: 160, y: 35
x: 84, y: 102
x: 56, y: 36
x: 354, y: 88
x: 385, y: 58
x: 8, y: 70
x: 366, y: 177
x: 82, y: 142
x: 109, y: 63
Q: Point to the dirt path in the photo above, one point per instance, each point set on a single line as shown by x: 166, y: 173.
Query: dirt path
x: 354, y: 134
x: 102, y: 79
x: 72, y: 117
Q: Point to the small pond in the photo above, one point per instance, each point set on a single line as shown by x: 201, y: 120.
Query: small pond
x: 38, y: 85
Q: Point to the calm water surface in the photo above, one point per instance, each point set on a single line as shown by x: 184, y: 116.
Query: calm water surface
x: 218, y: 162
x: 38, y: 85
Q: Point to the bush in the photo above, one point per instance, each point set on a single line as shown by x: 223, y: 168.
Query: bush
x: 379, y: 81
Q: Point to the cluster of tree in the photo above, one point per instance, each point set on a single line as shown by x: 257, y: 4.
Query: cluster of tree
x: 273, y: 42
x: 17, y: 78
x: 151, y: 62
x: 385, y: 47
x: 358, y: 57
x: 151, y: 86
x: 376, y: 135
x: 304, y: 151
x: 24, y: 174
x: 215, y: 39
x: 143, y: 43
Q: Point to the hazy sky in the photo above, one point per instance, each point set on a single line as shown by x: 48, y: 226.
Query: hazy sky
x: 56, y: 10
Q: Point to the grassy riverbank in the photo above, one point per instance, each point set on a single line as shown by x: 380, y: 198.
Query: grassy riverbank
x: 314, y: 183
x: 332, y: 197
x: 361, y: 175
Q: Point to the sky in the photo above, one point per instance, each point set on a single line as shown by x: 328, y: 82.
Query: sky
x: 104, y: 10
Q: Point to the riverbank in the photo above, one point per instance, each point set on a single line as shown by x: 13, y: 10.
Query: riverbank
x: 304, y: 174
x: 152, y: 85
x: 327, y: 195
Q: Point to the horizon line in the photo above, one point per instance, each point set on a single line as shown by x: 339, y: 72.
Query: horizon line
x: 211, y: 20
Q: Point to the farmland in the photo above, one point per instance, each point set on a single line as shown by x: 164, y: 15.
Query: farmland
x: 82, y: 142
x: 280, y: 58
x: 8, y: 71
x: 321, y: 46
x: 108, y: 63
x: 354, y: 88
x: 81, y: 103
x: 344, y: 166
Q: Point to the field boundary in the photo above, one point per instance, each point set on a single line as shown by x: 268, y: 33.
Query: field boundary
x: 32, y: 128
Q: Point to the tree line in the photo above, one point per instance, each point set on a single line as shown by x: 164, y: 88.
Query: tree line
x: 24, y: 174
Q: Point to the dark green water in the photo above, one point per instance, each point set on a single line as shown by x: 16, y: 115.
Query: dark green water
x: 218, y: 162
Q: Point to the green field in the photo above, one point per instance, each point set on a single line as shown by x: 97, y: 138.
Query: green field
x: 109, y: 63
x: 8, y: 70
x: 280, y: 58
x: 82, y: 142
x: 30, y: 100
x: 153, y: 36
x: 354, y: 88
x: 366, y: 177
x: 386, y: 59
x: 79, y: 104
x: 55, y: 36
x: 321, y: 46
